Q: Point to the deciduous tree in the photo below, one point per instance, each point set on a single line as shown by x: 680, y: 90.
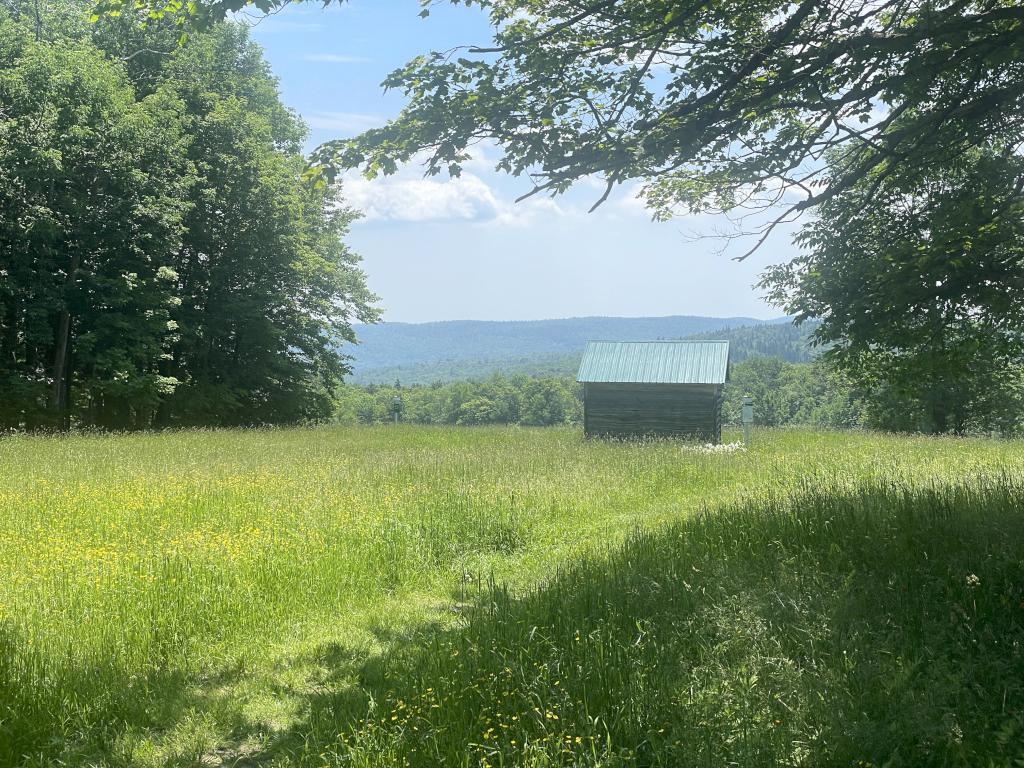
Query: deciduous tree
x: 918, y: 281
x: 90, y: 220
x: 161, y: 260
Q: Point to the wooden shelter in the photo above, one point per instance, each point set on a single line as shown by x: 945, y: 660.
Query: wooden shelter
x: 654, y: 388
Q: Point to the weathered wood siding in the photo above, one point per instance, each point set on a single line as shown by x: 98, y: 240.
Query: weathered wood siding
x: 663, y: 410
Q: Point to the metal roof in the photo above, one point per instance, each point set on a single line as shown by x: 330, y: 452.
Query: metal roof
x: 655, y: 362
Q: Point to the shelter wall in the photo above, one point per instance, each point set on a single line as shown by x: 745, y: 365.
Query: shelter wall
x: 661, y: 410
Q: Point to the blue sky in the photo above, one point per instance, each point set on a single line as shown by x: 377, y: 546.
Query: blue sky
x: 442, y: 249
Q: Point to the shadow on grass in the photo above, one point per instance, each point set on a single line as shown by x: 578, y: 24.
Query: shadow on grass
x: 878, y: 627
x: 36, y: 725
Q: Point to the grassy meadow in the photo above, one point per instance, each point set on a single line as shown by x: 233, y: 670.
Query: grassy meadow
x: 504, y: 596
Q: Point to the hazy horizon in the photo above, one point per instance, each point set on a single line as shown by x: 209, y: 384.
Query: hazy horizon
x: 773, y: 318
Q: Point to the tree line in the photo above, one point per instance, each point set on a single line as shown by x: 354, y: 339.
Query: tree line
x: 785, y: 394
x: 162, y: 261
x: 499, y: 399
x: 824, y: 395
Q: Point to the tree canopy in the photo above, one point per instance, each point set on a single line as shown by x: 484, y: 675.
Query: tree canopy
x: 918, y: 282
x: 162, y: 262
x: 719, y: 105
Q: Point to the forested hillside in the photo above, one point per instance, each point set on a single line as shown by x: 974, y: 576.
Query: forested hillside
x: 472, y: 350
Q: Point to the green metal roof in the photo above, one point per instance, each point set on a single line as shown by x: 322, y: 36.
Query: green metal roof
x: 655, y: 362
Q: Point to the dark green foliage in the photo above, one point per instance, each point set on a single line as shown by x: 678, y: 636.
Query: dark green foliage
x: 497, y: 400
x: 918, y: 283
x: 881, y: 626
x: 162, y: 263
x: 271, y: 286
x: 90, y: 219
x: 820, y: 394
x: 446, y: 371
x: 786, y: 394
x: 782, y: 340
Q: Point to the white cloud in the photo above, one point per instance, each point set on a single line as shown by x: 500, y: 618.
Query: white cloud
x: 527, y: 212
x: 482, y: 157
x: 350, y: 122
x: 630, y: 202
x: 404, y: 199
x: 625, y: 199
x: 335, y: 58
x: 409, y: 197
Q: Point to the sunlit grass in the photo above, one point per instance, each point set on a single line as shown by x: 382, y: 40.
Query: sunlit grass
x: 222, y: 596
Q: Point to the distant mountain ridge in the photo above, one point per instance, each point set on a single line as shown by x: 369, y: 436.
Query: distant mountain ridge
x: 470, y: 349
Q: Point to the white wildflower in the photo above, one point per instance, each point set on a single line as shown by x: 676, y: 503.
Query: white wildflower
x: 956, y: 733
x: 715, y: 448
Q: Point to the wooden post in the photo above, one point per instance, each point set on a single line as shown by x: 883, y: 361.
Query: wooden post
x: 747, y: 418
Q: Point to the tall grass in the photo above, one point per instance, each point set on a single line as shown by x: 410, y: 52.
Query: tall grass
x: 202, y: 596
x: 882, y: 626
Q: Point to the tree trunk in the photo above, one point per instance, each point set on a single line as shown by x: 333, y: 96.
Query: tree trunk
x: 62, y: 354
x: 60, y: 361
x: 940, y: 415
x: 941, y: 391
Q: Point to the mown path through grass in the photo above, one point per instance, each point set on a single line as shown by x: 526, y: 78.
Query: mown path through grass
x: 236, y: 597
